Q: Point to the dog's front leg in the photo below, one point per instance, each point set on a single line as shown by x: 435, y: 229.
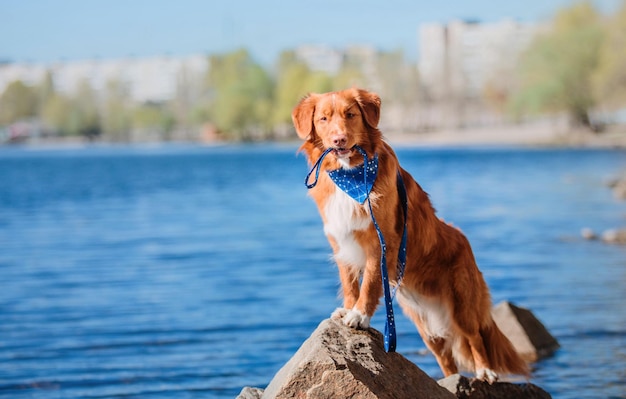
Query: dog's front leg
x: 350, y: 290
x: 371, y: 289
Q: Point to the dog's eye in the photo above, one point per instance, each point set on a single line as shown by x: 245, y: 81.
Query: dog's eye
x: 350, y: 115
x: 323, y: 119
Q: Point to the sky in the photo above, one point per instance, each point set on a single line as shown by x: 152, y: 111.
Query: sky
x: 45, y: 31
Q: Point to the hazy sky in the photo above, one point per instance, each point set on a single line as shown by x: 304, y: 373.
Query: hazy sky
x: 46, y: 31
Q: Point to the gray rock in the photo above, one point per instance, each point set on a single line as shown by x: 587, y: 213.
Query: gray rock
x: 588, y: 234
x: 250, y: 393
x: 619, y: 188
x: 465, y: 388
x: 614, y: 236
x: 339, y: 362
x: 528, y: 336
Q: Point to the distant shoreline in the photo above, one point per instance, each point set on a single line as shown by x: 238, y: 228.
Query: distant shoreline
x: 525, y: 135
x: 513, y: 135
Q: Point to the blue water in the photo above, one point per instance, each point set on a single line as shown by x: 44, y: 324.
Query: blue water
x: 189, y: 272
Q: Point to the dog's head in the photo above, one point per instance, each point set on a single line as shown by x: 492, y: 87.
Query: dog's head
x: 339, y: 120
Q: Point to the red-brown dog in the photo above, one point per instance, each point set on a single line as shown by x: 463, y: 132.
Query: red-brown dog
x: 442, y: 291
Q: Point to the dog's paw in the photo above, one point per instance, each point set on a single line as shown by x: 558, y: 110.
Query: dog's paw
x: 339, y: 313
x: 487, y: 375
x: 356, y: 319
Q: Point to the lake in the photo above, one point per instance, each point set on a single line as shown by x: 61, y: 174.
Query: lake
x: 177, y: 271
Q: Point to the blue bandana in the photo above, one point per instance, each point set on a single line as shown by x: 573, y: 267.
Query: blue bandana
x: 352, y: 181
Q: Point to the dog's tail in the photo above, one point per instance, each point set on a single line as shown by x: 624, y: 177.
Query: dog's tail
x: 502, y: 356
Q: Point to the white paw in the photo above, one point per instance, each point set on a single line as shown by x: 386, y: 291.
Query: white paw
x: 356, y: 319
x: 487, y: 375
x: 339, y: 313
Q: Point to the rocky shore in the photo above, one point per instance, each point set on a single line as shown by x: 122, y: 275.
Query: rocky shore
x: 615, y: 235
x: 340, y: 362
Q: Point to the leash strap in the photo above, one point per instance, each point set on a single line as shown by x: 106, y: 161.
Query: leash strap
x: 390, y: 325
x: 316, y: 168
x: 402, y: 251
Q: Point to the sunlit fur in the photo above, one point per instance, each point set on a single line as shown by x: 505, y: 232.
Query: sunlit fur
x: 442, y: 292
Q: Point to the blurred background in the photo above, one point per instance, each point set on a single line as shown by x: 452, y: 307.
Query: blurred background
x: 196, y: 71
x: 156, y: 239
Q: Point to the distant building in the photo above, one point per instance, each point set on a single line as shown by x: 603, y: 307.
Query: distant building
x: 154, y: 79
x: 366, y: 59
x: 320, y: 58
x: 29, y: 74
x: 461, y: 57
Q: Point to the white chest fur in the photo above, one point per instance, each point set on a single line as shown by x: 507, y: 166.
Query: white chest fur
x: 343, y: 217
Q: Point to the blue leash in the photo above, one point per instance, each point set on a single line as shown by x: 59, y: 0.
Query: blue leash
x: 369, y: 172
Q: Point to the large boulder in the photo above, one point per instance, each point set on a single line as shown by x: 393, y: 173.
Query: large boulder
x: 340, y: 362
x: 465, y: 388
x: 528, y: 336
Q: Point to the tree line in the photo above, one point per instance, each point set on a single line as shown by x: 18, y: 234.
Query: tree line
x: 576, y: 66
x: 237, y: 99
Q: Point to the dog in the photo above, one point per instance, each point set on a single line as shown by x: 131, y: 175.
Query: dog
x: 442, y: 290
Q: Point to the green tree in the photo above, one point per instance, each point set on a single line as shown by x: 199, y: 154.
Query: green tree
x: 242, y: 96
x: 399, y: 79
x: 153, y: 117
x: 556, y: 71
x: 72, y: 116
x: 294, y: 81
x: 188, y: 108
x: 85, y: 118
x: 18, y: 101
x: 397, y: 82
x: 350, y: 74
x: 115, y: 117
x: 45, y: 91
x: 610, y: 77
x: 54, y: 113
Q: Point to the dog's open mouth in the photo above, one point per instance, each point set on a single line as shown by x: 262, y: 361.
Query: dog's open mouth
x: 342, y: 152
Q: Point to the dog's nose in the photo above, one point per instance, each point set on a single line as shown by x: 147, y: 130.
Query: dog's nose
x: 340, y: 141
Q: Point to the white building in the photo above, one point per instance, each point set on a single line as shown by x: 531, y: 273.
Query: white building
x: 320, y: 58
x: 29, y: 74
x: 460, y: 58
x: 154, y: 79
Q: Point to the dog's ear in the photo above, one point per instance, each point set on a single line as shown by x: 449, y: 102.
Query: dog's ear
x: 302, y: 116
x: 370, y: 106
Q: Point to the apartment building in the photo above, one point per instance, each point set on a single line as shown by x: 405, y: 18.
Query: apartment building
x: 459, y: 58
